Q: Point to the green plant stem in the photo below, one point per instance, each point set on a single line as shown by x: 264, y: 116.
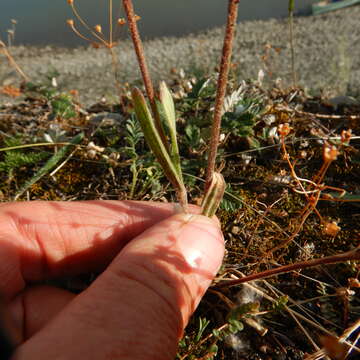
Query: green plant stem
x: 353, y: 255
x: 221, y: 88
x: 134, y: 181
x: 139, y: 50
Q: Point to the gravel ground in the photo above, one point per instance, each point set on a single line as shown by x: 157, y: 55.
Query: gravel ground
x: 327, y: 56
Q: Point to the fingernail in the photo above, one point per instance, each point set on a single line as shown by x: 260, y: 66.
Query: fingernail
x: 201, y: 243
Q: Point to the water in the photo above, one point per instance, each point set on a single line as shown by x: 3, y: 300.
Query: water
x: 44, y: 21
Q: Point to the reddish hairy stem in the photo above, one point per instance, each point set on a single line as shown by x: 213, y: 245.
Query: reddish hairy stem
x: 349, y: 255
x: 139, y: 50
x: 221, y: 88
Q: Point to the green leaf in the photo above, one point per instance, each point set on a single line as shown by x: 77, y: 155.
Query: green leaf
x: 167, y: 102
x: 167, y: 110
x: 199, y: 88
x: 216, y: 333
x: 235, y: 326
x: 280, y: 303
x: 153, y: 139
x: 63, y: 106
x: 203, y: 323
x: 214, y: 349
x: 50, y: 164
x: 244, y: 309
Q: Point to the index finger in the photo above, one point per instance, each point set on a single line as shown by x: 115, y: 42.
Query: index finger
x: 46, y: 239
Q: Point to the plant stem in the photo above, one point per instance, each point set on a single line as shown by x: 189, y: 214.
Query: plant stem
x: 115, y: 65
x: 139, y: 50
x: 110, y: 22
x: 221, y: 88
x: 12, y: 62
x: 349, y: 255
x: 291, y: 33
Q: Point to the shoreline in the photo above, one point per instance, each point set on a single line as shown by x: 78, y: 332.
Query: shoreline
x: 326, y: 50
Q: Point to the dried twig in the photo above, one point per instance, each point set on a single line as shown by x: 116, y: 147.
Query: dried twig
x: 342, y: 339
x: 291, y: 33
x: 316, y: 115
x: 100, y: 40
x: 12, y: 62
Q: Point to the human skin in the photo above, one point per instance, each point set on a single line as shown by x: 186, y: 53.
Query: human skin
x: 154, y: 268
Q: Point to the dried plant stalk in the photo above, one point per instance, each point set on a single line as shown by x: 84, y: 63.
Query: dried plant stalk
x: 291, y: 33
x: 12, y: 62
x: 353, y: 255
x: 221, y: 88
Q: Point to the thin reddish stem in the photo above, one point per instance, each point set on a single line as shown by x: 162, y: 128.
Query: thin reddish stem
x: 350, y: 255
x: 221, y: 88
x: 139, y: 50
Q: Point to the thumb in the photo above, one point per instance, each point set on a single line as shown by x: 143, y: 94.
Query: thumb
x: 139, y: 307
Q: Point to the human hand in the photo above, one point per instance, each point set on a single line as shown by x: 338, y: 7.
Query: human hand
x: 156, y: 267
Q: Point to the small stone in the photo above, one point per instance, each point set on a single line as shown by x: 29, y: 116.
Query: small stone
x: 235, y: 230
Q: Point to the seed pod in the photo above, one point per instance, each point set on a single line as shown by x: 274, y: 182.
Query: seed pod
x: 330, y: 153
x: 98, y: 28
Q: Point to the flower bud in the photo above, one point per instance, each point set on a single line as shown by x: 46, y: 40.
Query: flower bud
x: 121, y: 21
x: 330, y: 153
x: 345, y: 136
x: 284, y: 129
x: 331, y: 228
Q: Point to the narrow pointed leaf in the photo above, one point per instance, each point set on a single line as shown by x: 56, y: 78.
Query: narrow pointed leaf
x: 153, y: 138
x: 51, y: 163
x: 169, y: 107
x: 168, y: 115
